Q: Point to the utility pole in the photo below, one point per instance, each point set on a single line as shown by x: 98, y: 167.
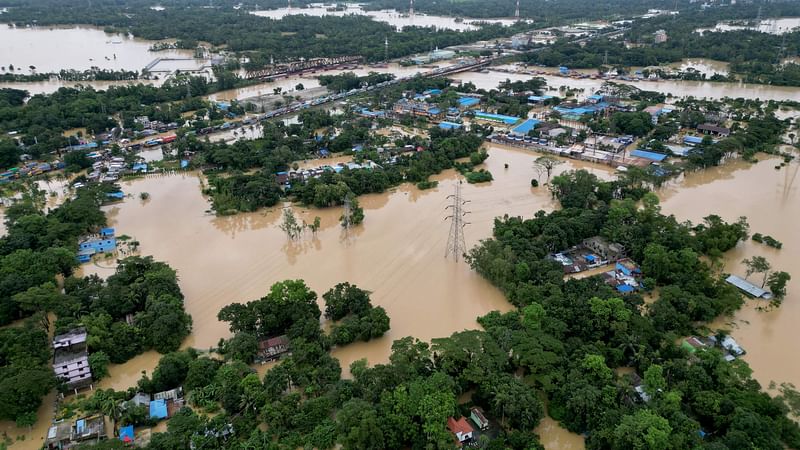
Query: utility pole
x: 386, y: 49
x: 455, y: 241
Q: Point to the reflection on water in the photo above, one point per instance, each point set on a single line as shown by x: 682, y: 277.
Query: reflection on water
x: 770, y: 200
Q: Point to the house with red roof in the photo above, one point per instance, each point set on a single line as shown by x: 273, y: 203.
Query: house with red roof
x: 461, y: 429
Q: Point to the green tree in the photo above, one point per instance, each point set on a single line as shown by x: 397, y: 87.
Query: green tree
x: 643, y: 430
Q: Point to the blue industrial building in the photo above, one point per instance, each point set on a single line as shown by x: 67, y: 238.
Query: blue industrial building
x: 449, y: 125
x: 652, y: 156
x: 523, y: 128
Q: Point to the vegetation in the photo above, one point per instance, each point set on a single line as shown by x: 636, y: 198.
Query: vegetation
x: 584, y: 330
x: 289, y: 38
x: 746, y: 50
x: 348, y: 80
x: 140, y: 307
x: 768, y: 240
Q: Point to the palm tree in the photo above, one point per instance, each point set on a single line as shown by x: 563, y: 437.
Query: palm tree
x: 111, y: 408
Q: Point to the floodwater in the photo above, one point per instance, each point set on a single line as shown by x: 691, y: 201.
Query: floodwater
x: 708, y: 67
x: 401, y: 261
x: 554, y: 437
x: 678, y: 88
x: 770, y: 200
x: 390, y: 16
x: 309, y: 81
x: 772, y: 26
x: 79, y: 48
x: 52, y: 85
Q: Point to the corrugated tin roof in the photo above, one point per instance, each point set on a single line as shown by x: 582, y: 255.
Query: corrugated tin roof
x: 748, y: 287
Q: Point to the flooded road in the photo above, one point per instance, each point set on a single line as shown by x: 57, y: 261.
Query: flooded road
x: 80, y: 48
x: 770, y: 200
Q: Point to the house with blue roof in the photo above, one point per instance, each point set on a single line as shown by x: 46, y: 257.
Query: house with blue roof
x: 468, y: 102
x: 449, y: 125
x: 538, y: 99
x: 508, y: 120
x: 652, y: 156
x: 692, y: 140
x: 525, y: 127
x: 158, y: 409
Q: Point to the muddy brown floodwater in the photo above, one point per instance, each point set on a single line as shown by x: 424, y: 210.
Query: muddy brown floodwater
x: 770, y: 200
x: 398, y: 254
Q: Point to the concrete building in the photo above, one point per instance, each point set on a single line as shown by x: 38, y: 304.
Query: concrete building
x: 71, y: 359
x: 660, y: 37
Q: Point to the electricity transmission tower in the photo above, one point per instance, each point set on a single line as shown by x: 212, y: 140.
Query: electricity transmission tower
x: 455, y: 241
x: 516, y: 11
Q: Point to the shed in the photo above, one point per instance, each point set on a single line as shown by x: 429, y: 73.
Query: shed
x: 105, y: 232
x: 449, y: 125
x: 748, y: 287
x: 692, y: 140
x: 653, y: 156
x: 539, y: 98
x: 478, y: 418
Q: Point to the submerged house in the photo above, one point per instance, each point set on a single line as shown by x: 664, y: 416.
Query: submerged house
x: 273, y: 348
x: 748, y: 288
x: 104, y: 242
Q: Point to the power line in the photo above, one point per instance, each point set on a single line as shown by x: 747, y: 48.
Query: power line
x: 455, y: 241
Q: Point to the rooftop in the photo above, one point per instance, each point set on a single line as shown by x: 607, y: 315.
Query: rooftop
x: 460, y: 426
x: 525, y: 127
x: 653, y: 156
x: 748, y: 287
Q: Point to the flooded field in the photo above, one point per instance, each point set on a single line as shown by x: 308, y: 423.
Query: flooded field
x: 772, y: 26
x: 79, y: 48
x: 310, y: 81
x: 390, y: 16
x: 770, y: 200
x: 677, y: 88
